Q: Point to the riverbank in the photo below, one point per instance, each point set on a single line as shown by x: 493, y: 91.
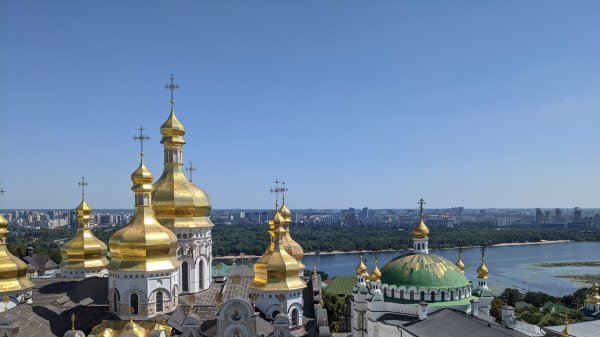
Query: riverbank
x: 586, y: 278
x: 569, y: 264
x: 337, y: 252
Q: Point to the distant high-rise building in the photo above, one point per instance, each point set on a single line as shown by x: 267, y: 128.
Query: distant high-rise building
x: 538, y: 216
x: 365, y: 213
x: 577, y: 215
x: 558, y: 216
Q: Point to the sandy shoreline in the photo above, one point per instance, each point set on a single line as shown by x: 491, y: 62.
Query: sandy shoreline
x: 395, y: 250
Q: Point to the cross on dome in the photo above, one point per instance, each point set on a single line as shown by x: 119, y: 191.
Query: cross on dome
x: 82, y: 183
x: 141, y: 138
x: 191, y: 170
x: 172, y: 86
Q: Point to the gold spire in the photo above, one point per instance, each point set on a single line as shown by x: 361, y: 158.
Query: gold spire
x: 84, y: 250
x: 565, y: 332
x: 144, y: 244
x: 277, y: 269
x: 460, y: 263
x: 421, y: 230
x: 375, y: 273
x: 290, y: 245
x: 13, y: 271
x: 361, y: 268
x: 482, y: 271
x: 178, y: 203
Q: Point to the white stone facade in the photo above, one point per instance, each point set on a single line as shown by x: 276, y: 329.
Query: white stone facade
x: 148, y: 293
x: 83, y: 273
x: 194, y: 252
x: 290, y: 303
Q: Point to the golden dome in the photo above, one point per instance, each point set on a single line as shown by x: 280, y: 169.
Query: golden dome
x: 291, y: 246
x: 460, y: 264
x: 277, y: 269
x: 177, y: 202
x: 421, y: 230
x: 118, y: 328
x: 594, y: 296
x: 84, y: 250
x: 375, y: 275
x: 361, y: 268
x: 13, y: 271
x: 132, y: 329
x: 482, y: 271
x: 144, y: 244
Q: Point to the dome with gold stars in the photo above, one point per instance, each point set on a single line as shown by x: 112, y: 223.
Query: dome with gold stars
x: 84, y: 250
x: 144, y: 244
x: 13, y: 271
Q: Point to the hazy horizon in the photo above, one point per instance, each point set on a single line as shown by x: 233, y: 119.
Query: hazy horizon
x: 477, y: 104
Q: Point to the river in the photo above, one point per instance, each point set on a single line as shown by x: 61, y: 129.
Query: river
x: 510, y: 266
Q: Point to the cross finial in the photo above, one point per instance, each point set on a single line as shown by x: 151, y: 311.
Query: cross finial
x: 421, y: 203
x: 172, y: 86
x: 460, y: 250
x: 2, y: 191
x: 276, y: 191
x: 483, y: 248
x: 191, y: 170
x: 82, y: 183
x: 141, y: 138
x: 283, y: 189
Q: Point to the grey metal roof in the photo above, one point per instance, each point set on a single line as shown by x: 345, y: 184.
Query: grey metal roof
x: 583, y: 329
x: 454, y: 323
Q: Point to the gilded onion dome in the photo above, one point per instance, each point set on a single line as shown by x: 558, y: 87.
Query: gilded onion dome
x: 291, y: 246
x: 460, y: 264
x: 482, y: 271
x: 277, y: 269
x: 177, y: 202
x: 421, y: 230
x: 594, y: 296
x: 361, y: 268
x: 375, y: 275
x: 13, y: 271
x: 84, y: 250
x: 144, y: 244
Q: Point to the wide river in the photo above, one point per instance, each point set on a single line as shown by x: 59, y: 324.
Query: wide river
x: 510, y: 266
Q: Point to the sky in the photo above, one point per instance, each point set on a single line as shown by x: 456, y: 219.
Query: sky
x: 353, y: 103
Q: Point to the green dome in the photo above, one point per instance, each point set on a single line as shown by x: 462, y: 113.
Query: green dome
x: 423, y: 271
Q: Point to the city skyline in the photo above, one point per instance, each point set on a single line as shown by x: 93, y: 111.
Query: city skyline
x: 401, y: 101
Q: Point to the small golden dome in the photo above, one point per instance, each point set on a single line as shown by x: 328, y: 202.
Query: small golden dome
x: 460, y: 264
x: 144, y: 244
x: 375, y: 275
x: 172, y: 130
x: 13, y: 271
x: 421, y: 230
x: 133, y: 329
x: 594, y: 296
x: 482, y: 271
x: 277, y: 269
x: 84, y: 250
x: 361, y: 268
x: 290, y: 245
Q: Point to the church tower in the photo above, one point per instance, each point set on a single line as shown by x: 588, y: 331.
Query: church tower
x: 183, y: 208
x: 84, y: 255
x: 15, y: 287
x: 143, y: 277
x: 289, y: 244
x: 277, y: 285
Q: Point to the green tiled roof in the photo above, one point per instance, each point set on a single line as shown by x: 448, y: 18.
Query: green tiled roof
x: 221, y: 270
x: 341, y: 284
x: 423, y: 270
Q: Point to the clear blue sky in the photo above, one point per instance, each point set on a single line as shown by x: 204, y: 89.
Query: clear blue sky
x: 353, y: 103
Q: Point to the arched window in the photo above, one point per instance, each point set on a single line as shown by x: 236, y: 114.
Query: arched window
x: 115, y: 301
x: 459, y: 294
x: 159, y: 301
x: 393, y: 293
x: 401, y: 294
x: 433, y: 296
x: 275, y: 313
x: 134, y: 304
x: 443, y: 296
x: 412, y: 295
x: 422, y: 295
x: 451, y: 295
x: 295, y: 317
x: 200, y: 272
x: 184, y: 277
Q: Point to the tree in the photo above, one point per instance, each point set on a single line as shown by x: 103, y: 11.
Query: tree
x: 511, y: 296
x: 496, y: 309
x: 538, y: 299
x: 336, y: 309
